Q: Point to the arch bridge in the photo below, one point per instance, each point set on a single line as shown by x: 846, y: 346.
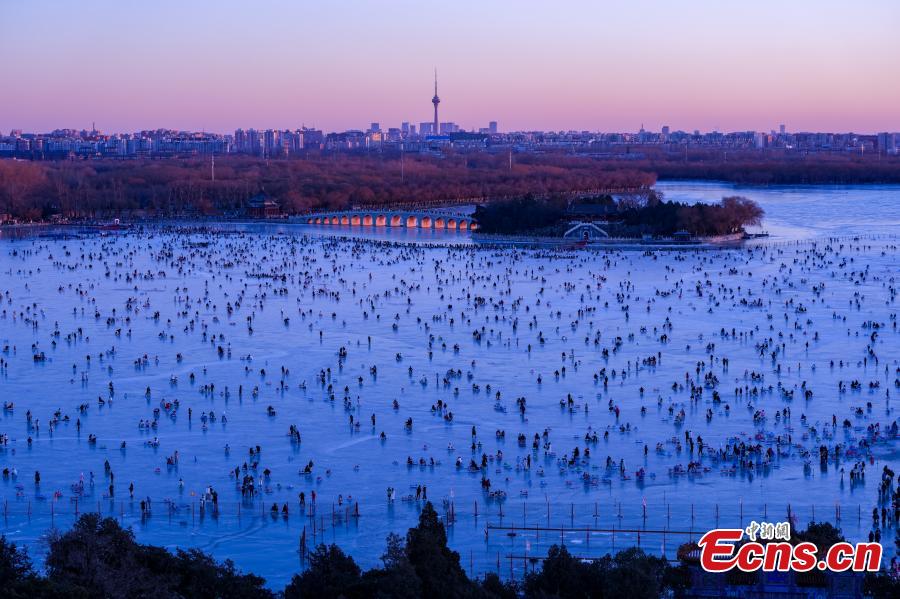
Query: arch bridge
x: 410, y: 219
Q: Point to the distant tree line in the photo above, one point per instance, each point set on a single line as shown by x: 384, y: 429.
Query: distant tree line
x: 318, y: 180
x: 752, y: 167
x: 98, y: 558
x: 173, y: 187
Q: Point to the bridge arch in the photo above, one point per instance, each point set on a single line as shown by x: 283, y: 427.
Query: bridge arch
x: 411, y: 220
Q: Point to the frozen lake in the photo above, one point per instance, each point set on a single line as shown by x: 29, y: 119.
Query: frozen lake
x: 171, y: 353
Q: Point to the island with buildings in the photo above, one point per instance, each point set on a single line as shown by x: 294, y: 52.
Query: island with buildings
x: 606, y: 218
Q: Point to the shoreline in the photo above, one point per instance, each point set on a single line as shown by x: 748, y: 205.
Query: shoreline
x: 734, y: 240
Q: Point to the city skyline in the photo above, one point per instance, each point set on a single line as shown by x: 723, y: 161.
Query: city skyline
x: 282, y: 143
x: 818, y: 66
x: 488, y: 128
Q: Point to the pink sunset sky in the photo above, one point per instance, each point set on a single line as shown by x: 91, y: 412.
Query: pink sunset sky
x: 597, y: 65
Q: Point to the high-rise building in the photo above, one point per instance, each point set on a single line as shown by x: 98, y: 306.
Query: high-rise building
x: 781, y: 129
x: 292, y: 141
x: 271, y: 139
x: 375, y: 127
x: 313, y: 138
x: 404, y: 128
x: 254, y: 147
x: 492, y: 127
x: 759, y: 140
x: 426, y: 129
x: 435, y: 100
x: 887, y: 143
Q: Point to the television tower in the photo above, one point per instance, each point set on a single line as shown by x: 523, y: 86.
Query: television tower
x: 435, y: 100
